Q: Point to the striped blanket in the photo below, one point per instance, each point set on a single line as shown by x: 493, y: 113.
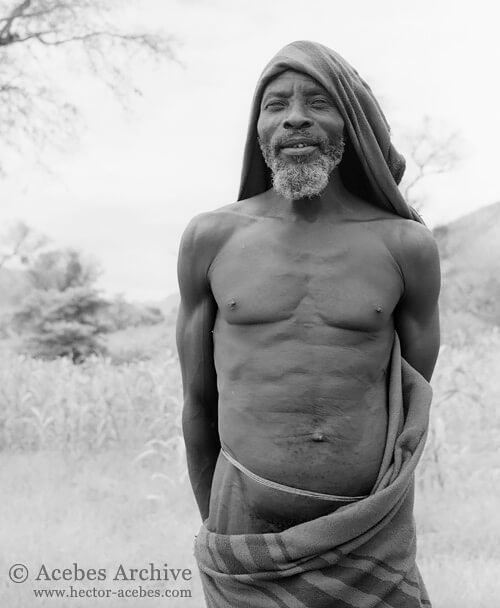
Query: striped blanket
x: 360, y: 556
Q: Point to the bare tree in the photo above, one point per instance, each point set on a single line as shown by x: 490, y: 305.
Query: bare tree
x: 429, y: 151
x: 97, y: 38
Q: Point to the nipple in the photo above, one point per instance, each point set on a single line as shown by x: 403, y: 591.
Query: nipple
x: 232, y: 303
x: 378, y: 308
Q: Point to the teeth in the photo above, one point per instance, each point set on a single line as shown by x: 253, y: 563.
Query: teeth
x: 298, y: 145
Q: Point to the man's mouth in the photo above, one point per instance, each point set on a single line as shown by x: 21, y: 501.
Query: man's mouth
x: 298, y: 148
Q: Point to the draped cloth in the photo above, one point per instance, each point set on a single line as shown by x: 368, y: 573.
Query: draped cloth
x: 361, y: 555
x: 371, y: 166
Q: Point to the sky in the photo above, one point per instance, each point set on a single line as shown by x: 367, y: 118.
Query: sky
x: 123, y: 191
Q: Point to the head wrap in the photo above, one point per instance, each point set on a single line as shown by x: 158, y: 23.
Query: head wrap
x: 371, y: 167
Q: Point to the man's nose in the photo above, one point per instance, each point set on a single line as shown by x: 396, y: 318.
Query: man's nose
x: 297, y: 118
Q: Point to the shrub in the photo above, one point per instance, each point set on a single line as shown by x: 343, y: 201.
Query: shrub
x: 62, y: 323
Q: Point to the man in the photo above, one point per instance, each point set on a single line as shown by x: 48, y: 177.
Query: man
x: 302, y: 422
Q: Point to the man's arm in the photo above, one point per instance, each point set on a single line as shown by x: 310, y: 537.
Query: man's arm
x: 417, y: 313
x: 195, y: 345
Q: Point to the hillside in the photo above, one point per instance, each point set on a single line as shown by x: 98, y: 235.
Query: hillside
x: 168, y: 305
x: 472, y: 242
x: 470, y: 256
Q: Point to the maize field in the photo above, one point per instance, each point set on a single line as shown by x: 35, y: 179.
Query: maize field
x: 92, y: 464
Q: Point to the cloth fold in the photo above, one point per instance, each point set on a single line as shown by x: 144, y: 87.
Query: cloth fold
x: 371, y: 166
x: 362, y: 555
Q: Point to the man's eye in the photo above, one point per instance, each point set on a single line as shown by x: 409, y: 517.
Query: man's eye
x: 274, y: 105
x: 319, y: 103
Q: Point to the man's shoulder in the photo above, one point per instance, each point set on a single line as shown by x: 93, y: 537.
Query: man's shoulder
x: 414, y: 248
x: 218, y: 224
x: 414, y: 242
x: 406, y: 238
x: 208, y: 231
x: 410, y: 243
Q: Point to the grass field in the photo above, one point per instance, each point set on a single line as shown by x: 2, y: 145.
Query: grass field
x: 95, y: 512
x: 92, y: 472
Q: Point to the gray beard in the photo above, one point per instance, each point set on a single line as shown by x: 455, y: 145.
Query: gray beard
x: 300, y: 178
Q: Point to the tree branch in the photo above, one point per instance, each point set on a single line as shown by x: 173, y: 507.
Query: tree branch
x: 31, y: 15
x: 153, y: 43
x: 5, y: 33
x: 32, y: 109
x: 431, y: 154
x: 143, y: 39
x: 15, y: 38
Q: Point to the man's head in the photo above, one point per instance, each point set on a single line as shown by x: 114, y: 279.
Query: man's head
x: 371, y: 167
x: 300, y: 134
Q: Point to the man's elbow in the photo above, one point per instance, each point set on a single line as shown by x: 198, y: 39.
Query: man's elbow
x: 422, y: 355
x: 199, y: 424
x: 431, y: 362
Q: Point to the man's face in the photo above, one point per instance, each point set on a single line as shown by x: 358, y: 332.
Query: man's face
x: 300, y: 134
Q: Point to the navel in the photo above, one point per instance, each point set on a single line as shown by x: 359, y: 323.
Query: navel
x: 318, y: 437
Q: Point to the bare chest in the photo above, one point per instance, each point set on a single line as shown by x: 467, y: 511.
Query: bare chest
x: 341, y: 278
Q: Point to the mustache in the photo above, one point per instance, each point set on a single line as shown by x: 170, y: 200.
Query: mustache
x: 328, y: 147
x: 283, y: 140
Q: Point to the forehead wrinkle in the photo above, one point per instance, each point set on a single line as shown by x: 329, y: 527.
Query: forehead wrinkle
x: 314, y: 87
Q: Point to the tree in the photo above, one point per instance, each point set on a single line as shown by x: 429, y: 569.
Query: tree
x: 62, y: 323
x: 63, y: 314
x: 96, y: 35
x: 62, y: 269
x: 429, y: 151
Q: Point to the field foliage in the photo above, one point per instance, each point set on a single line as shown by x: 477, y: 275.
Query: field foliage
x: 119, y: 420
x: 83, y: 408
